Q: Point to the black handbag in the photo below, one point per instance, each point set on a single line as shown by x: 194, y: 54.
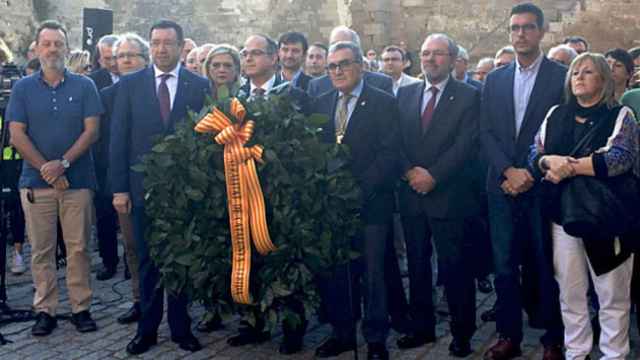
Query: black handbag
x: 592, y: 207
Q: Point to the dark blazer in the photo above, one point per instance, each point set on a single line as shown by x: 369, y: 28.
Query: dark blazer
x: 245, y: 89
x: 446, y: 149
x: 475, y: 83
x: 373, y: 140
x: 497, y: 122
x: 101, y: 147
x: 102, y: 78
x: 302, y: 82
x: 136, y: 120
x: 281, y: 86
x: 323, y: 84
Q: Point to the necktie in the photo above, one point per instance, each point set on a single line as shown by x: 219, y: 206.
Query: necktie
x: 258, y: 92
x: 428, y: 111
x: 342, y: 116
x: 164, y: 99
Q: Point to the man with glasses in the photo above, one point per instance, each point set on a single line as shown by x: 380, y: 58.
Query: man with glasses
x: 393, y: 64
x: 365, y: 119
x: 149, y: 103
x: 259, y: 59
x: 438, y: 132
x: 515, y: 100
x: 107, y: 73
x: 132, y: 54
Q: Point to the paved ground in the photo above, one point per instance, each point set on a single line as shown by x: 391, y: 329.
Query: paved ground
x: 112, y: 298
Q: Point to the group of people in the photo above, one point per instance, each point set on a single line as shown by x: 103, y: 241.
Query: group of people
x: 470, y: 161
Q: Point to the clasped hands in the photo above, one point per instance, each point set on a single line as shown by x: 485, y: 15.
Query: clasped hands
x: 558, y: 167
x: 517, y: 181
x: 420, y: 180
x: 53, y: 173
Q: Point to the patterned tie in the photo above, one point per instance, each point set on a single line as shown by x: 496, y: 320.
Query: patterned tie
x: 164, y: 99
x: 342, y: 116
x: 258, y: 92
x: 428, y: 111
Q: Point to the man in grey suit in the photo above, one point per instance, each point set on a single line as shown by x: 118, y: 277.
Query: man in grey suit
x: 321, y: 85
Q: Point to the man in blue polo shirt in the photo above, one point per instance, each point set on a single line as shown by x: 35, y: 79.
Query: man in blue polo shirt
x: 53, y: 118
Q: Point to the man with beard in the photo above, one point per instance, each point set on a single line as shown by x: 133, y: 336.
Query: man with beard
x: 53, y: 118
x: 292, y: 50
x: 316, y: 60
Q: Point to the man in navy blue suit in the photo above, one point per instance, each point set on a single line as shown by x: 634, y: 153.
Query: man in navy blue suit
x: 515, y: 100
x: 149, y: 103
x: 364, y: 118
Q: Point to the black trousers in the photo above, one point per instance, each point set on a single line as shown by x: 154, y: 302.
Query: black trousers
x: 107, y: 230
x: 455, y: 269
x: 368, y: 273
x: 152, y: 295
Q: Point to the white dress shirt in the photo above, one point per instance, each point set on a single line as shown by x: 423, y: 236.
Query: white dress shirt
x: 426, y: 96
x: 114, y: 78
x: 351, y: 106
x: 172, y: 82
x: 403, y: 80
x: 523, y: 82
x: 266, y: 86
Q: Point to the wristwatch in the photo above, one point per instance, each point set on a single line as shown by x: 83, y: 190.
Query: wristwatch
x: 65, y: 163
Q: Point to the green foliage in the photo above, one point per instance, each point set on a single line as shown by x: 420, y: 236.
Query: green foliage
x: 312, y: 210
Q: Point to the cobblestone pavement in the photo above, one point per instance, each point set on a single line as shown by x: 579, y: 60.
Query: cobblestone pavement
x: 113, y: 297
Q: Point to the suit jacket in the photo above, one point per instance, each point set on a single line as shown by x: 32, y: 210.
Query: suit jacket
x: 303, y: 81
x: 101, y: 147
x: 281, y: 86
x: 446, y: 149
x: 406, y: 80
x: 323, y: 84
x: 475, y: 83
x: 136, y: 120
x: 371, y: 135
x: 497, y: 124
x: 102, y: 78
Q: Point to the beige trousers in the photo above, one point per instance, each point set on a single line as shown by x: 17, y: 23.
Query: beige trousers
x: 74, y: 208
x: 126, y: 226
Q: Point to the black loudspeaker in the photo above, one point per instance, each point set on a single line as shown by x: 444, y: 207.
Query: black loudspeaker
x: 96, y: 23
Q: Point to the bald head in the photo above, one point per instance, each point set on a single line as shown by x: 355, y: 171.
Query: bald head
x: 343, y: 33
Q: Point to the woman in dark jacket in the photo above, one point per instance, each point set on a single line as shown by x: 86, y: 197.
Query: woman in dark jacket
x: 614, y: 150
x: 222, y: 67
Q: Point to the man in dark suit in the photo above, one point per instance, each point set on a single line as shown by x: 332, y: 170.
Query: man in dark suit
x: 364, y: 118
x: 438, y: 127
x: 323, y: 84
x: 106, y: 218
x: 515, y: 100
x: 292, y: 51
x: 460, y: 70
x: 148, y: 103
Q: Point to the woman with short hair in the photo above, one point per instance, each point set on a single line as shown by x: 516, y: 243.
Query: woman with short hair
x: 613, y: 151
x: 222, y: 67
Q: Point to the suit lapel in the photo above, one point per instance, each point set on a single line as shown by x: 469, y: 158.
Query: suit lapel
x: 180, y: 98
x: 150, y: 85
x: 506, y: 92
x: 537, y: 93
x: 415, y: 109
x: 358, y: 112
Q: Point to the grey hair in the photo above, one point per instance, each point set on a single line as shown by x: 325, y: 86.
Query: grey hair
x: 355, y: 49
x: 602, y: 68
x: 134, y: 39
x: 484, y: 61
x: 451, y: 44
x: 223, y: 49
x: 108, y: 40
x: 505, y: 50
x: 355, y: 38
x: 462, y: 53
x: 567, y: 50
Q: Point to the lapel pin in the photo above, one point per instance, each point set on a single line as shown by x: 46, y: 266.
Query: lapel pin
x: 451, y: 98
x: 70, y: 99
x: 363, y: 103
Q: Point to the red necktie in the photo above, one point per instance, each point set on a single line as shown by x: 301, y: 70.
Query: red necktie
x: 428, y: 111
x: 164, y: 98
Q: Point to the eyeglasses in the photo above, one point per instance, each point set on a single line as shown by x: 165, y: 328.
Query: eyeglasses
x: 526, y: 28
x: 437, y: 53
x: 253, y: 53
x: 128, y: 55
x: 342, y: 65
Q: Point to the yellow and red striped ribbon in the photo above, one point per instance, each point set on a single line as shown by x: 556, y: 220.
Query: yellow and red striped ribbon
x: 247, y: 217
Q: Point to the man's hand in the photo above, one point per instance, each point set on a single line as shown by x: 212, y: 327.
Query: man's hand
x: 122, y: 203
x: 61, y: 183
x: 508, y: 189
x: 559, y: 167
x: 520, y: 180
x: 51, y: 170
x: 420, y: 180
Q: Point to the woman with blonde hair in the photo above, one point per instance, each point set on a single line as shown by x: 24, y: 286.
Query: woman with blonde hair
x: 590, y: 139
x: 222, y: 68
x: 79, y: 62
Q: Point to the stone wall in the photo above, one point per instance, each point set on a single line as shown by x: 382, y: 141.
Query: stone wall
x: 479, y: 25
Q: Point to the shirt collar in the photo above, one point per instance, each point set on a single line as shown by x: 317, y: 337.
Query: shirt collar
x: 294, y: 78
x: 173, y: 72
x: 356, y: 91
x: 41, y: 77
x: 534, y: 65
x: 440, y: 86
x: 266, y: 86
